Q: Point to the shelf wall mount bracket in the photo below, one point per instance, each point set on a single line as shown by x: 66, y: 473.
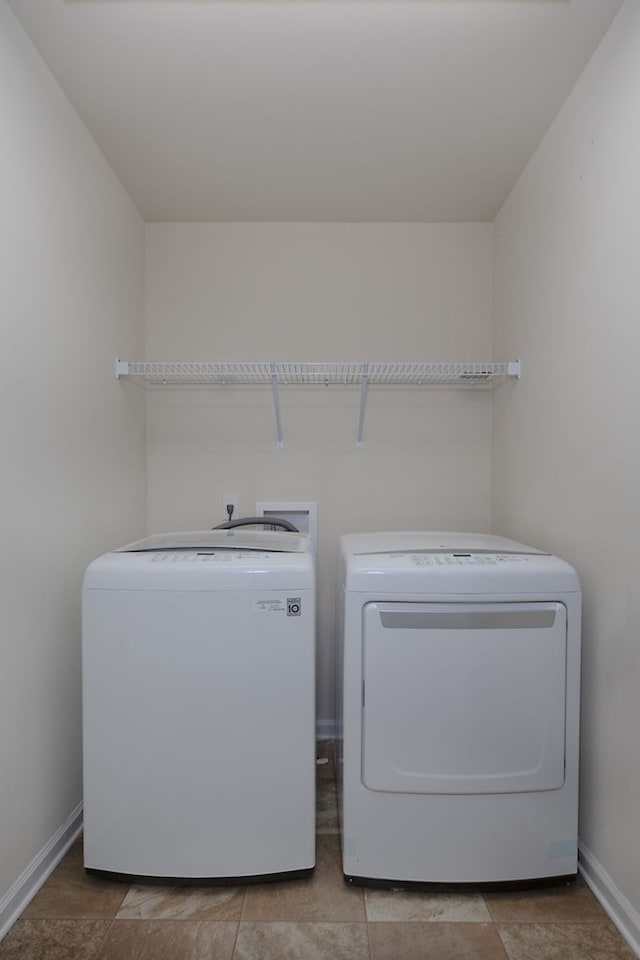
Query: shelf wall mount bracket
x: 276, y: 404
x: 363, y: 399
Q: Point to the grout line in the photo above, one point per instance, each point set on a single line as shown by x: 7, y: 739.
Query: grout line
x: 235, y: 939
x: 366, y: 923
x: 104, y: 939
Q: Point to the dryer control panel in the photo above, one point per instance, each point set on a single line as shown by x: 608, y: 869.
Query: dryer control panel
x: 464, y: 559
x: 472, y: 570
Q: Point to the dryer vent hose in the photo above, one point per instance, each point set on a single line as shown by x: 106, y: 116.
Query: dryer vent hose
x: 260, y: 521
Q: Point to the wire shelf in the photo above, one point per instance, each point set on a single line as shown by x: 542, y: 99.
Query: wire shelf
x: 323, y: 374
x: 286, y: 373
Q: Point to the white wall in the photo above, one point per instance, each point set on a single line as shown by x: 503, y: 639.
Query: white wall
x: 566, y: 441
x: 320, y: 292
x: 72, y: 481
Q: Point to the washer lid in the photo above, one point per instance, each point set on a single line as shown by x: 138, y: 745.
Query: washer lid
x: 268, y: 541
x: 208, y: 560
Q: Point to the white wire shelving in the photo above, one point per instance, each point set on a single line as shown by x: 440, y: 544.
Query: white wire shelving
x: 289, y: 373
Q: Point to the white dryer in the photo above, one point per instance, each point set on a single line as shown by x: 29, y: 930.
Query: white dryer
x: 198, y: 705
x: 458, y: 709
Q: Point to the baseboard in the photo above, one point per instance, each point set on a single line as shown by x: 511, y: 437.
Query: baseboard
x: 621, y: 911
x: 35, y: 873
x: 325, y: 729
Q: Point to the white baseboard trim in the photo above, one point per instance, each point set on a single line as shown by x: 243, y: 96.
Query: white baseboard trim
x: 24, y: 889
x: 325, y: 729
x: 621, y: 911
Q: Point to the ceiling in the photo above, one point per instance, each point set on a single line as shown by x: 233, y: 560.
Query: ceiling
x: 317, y: 110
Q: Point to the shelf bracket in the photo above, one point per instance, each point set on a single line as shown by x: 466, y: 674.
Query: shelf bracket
x: 276, y: 403
x: 363, y: 398
x: 121, y: 369
x: 514, y: 369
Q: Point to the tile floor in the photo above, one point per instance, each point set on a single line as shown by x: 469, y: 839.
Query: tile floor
x: 77, y: 918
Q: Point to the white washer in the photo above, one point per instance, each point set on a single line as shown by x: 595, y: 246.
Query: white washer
x: 198, y: 703
x: 458, y: 709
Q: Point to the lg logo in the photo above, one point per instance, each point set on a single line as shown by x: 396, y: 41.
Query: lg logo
x: 294, y: 606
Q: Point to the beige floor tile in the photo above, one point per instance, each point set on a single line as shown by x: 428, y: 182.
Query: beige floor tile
x: 564, y: 941
x: 169, y: 940
x: 302, y: 941
x: 573, y: 903
x: 53, y: 939
x: 76, y: 917
x: 323, y: 897
x: 182, y: 903
x: 325, y: 760
x: 326, y: 808
x: 69, y: 892
x: 413, y: 905
x: 435, y: 941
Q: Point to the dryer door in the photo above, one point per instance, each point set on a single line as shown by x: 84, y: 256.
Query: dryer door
x: 463, y: 697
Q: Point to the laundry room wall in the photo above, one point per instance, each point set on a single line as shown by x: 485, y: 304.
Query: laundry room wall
x: 566, y: 451
x: 72, y: 482
x: 320, y: 292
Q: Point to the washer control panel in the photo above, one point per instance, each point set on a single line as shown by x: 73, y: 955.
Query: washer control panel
x: 207, y: 556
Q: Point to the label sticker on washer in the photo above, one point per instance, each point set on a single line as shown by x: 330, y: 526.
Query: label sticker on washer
x: 270, y: 605
x: 292, y: 606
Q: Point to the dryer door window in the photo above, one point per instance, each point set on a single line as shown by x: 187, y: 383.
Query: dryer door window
x: 463, y: 698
